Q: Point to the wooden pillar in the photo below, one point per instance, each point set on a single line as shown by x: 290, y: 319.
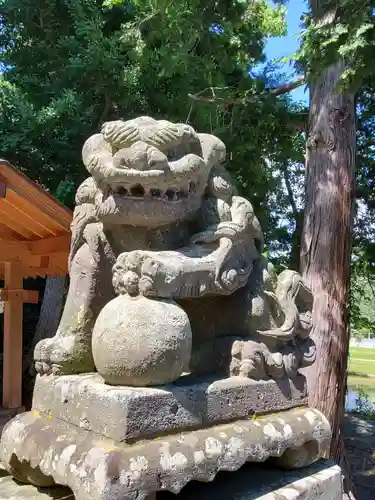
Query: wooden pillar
x: 12, y: 355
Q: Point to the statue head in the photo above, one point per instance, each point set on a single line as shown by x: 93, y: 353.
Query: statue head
x: 150, y: 172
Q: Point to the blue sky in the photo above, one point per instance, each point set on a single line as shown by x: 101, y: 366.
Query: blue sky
x: 284, y: 46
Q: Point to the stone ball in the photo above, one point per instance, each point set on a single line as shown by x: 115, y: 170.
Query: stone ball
x: 141, y: 342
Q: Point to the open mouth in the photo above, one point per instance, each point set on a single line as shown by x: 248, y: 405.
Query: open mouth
x: 139, y: 191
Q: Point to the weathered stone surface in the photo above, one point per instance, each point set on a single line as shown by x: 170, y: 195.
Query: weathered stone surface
x: 138, y: 341
x: 42, y: 450
x: 161, y: 213
x: 321, y: 481
x: 128, y: 413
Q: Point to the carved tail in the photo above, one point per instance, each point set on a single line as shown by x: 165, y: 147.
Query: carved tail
x: 289, y: 285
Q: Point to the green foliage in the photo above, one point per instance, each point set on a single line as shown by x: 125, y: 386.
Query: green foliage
x: 343, y: 30
x: 95, y: 61
x: 362, y: 302
x: 363, y: 261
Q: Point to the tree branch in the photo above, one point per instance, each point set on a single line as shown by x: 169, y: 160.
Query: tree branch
x: 284, y: 89
x: 288, y: 87
x: 289, y: 189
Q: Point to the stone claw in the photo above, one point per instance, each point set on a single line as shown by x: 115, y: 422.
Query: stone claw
x: 62, y: 355
x: 39, y: 367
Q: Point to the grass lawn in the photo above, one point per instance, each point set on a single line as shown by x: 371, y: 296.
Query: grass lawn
x: 362, y: 353
x: 362, y: 361
x: 362, y: 369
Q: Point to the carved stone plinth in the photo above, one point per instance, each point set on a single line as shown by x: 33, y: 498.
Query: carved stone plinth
x: 320, y: 481
x: 129, y: 413
x: 42, y: 450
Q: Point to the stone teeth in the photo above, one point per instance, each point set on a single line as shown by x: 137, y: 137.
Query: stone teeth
x: 138, y: 191
x: 170, y: 194
x: 120, y: 190
x: 155, y: 193
x: 192, y: 187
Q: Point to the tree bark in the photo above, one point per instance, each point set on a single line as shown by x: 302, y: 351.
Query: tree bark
x: 50, y: 312
x: 326, y: 243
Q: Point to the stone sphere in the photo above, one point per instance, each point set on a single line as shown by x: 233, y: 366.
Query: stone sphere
x: 141, y: 342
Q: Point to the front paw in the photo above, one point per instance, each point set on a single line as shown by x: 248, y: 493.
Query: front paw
x: 63, y: 355
x: 127, y: 272
x: 139, y: 272
x: 156, y: 280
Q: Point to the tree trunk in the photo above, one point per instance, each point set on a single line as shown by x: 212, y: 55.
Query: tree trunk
x: 295, y: 254
x: 50, y: 312
x: 326, y: 243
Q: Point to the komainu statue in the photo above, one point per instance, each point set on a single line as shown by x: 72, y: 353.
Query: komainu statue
x: 179, y: 348
x: 160, y: 224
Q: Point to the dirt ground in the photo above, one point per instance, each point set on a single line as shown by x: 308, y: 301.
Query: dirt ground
x: 360, y: 445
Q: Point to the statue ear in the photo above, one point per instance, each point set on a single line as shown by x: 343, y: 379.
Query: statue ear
x: 220, y: 183
x: 213, y: 150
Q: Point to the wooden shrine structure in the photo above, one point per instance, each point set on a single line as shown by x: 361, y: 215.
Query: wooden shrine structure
x: 34, y: 241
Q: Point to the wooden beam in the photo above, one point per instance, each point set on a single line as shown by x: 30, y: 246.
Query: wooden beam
x: 27, y: 250
x: 26, y: 221
x: 49, y: 246
x: 12, y: 354
x: 35, y: 194
x: 27, y: 296
x: 8, y: 234
x: 11, y: 221
x: 46, y: 221
x: 13, y: 250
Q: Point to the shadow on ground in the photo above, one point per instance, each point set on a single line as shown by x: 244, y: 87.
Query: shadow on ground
x: 359, y: 435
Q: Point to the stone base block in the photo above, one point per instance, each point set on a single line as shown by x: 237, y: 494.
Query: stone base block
x: 40, y: 449
x: 130, y: 413
x: 321, y: 481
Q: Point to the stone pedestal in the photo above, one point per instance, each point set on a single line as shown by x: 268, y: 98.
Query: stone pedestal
x: 321, y: 481
x: 111, y: 443
x: 126, y: 414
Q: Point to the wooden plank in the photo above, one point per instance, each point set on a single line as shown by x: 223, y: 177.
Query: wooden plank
x: 29, y: 250
x: 45, y: 220
x: 9, y: 212
x: 11, y: 222
x: 12, y: 354
x: 29, y: 217
x: 7, y: 234
x: 13, y: 250
x: 10, y: 251
x: 35, y: 195
x: 49, y: 246
x: 32, y: 267
x: 39, y: 272
x: 27, y: 296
